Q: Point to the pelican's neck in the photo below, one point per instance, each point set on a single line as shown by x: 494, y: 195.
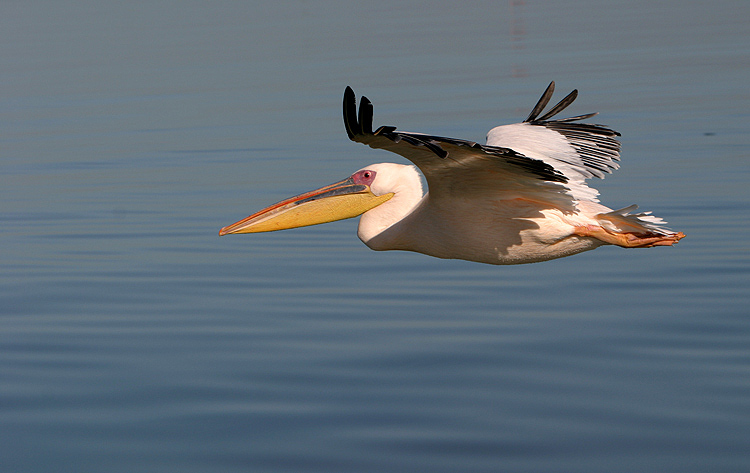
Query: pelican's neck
x: 406, y: 185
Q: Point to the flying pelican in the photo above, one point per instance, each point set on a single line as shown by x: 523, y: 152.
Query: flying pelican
x: 521, y: 198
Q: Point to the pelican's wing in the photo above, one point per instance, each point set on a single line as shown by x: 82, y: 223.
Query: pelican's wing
x: 461, y: 168
x: 578, y: 150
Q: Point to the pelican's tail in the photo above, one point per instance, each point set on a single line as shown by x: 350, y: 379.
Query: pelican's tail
x: 639, y: 223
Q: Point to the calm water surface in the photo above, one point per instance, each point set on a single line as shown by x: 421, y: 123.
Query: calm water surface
x: 133, y: 338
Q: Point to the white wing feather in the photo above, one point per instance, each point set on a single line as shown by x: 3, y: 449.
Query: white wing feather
x: 549, y: 146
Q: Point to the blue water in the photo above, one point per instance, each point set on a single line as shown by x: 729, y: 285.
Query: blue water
x: 133, y: 338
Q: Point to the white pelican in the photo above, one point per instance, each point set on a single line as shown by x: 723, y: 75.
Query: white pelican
x: 521, y: 198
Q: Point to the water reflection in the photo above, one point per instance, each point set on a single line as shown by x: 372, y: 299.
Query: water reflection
x: 516, y: 13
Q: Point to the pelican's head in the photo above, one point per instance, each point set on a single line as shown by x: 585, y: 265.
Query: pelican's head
x: 364, y: 190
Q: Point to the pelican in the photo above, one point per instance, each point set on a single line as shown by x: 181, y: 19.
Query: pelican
x: 520, y: 198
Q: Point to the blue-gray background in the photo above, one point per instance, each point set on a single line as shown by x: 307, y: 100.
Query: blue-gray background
x: 133, y: 338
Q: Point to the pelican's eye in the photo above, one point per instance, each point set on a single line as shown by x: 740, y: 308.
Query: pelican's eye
x: 364, y: 177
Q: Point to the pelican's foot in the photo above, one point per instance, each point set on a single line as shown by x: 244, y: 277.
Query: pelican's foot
x: 628, y: 240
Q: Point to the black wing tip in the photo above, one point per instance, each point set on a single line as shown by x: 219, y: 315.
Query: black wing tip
x: 350, y: 113
x: 543, y: 101
x: 365, y: 116
x: 357, y: 122
x: 535, y: 118
x: 561, y: 105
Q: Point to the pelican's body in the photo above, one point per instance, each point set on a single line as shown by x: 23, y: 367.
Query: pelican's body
x: 491, y: 231
x: 521, y: 198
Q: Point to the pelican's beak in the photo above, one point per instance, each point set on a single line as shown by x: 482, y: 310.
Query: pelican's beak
x: 338, y: 201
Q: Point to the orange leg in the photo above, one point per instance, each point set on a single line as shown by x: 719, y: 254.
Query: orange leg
x: 628, y: 240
